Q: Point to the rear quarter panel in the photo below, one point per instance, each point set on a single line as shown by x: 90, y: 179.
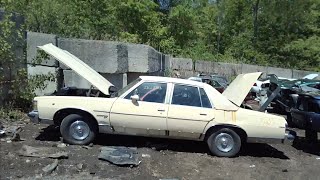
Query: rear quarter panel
x: 255, y: 124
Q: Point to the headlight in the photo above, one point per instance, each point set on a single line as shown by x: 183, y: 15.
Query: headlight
x: 35, y: 105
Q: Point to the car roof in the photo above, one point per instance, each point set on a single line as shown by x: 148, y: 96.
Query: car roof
x: 172, y: 80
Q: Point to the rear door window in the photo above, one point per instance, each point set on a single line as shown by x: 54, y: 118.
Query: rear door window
x: 186, y: 95
x: 204, y: 99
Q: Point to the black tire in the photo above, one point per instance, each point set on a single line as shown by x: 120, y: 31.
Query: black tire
x: 90, y: 129
x: 212, y: 142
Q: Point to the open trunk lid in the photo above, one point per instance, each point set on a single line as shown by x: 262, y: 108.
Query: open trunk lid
x: 237, y: 91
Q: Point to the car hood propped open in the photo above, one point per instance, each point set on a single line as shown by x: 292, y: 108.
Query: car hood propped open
x: 237, y: 91
x: 81, y: 68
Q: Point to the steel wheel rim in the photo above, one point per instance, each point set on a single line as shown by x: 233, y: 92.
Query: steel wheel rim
x: 224, y: 142
x: 79, y: 130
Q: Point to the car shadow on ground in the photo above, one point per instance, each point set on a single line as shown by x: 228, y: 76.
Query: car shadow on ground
x: 261, y: 150
x: 254, y: 150
x: 311, y: 147
x: 52, y: 133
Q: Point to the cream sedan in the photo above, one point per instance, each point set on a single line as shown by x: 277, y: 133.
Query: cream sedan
x: 159, y: 107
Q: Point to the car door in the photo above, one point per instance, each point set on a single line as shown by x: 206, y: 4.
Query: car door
x: 189, y: 111
x: 146, y: 116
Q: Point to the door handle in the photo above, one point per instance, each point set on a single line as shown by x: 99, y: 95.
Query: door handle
x: 203, y: 114
x: 161, y: 110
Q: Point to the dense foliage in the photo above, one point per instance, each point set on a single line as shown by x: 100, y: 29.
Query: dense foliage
x: 16, y: 86
x: 284, y: 33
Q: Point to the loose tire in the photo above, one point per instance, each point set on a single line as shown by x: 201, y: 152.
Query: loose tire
x: 78, y: 129
x: 224, y: 143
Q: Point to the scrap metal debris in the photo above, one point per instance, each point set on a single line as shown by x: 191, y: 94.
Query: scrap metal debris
x: 46, y: 152
x: 50, y: 167
x: 80, y: 166
x: 145, y: 155
x: 120, y: 155
x: 62, y: 145
x: 86, y: 147
x: 2, y: 132
x: 11, y: 132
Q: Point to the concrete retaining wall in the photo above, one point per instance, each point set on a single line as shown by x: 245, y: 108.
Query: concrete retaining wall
x: 121, y: 63
x: 118, y: 62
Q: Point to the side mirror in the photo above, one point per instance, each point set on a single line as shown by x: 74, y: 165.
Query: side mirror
x: 135, y: 98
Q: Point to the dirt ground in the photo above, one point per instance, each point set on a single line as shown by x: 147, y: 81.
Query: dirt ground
x: 162, y: 159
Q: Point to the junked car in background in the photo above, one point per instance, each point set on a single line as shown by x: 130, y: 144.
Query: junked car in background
x: 207, y: 79
x: 307, y: 114
x: 282, y: 94
x: 159, y: 107
x: 220, y: 83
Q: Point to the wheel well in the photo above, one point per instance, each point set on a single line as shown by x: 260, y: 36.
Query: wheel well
x: 243, y: 135
x: 61, y: 114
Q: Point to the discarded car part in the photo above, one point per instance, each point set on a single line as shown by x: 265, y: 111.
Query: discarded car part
x: 270, y: 99
x: 12, y: 133
x: 78, y: 129
x: 2, y: 131
x: 44, y: 152
x: 157, y: 107
x: 51, y: 167
x: 120, y: 155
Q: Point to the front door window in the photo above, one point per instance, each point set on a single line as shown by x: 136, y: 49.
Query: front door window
x: 150, y: 92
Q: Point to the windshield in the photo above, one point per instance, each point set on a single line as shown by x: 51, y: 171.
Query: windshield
x: 222, y: 80
x: 123, y: 90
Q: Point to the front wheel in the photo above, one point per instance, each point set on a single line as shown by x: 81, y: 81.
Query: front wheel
x: 78, y: 129
x: 224, y: 143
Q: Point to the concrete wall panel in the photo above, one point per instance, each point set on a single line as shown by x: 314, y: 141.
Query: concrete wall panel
x: 204, y: 66
x: 227, y: 69
x: 39, y: 39
x: 181, y: 64
x: 71, y: 79
x: 51, y: 86
x: 280, y: 72
x: 297, y: 74
x: 248, y: 68
x: 100, y: 55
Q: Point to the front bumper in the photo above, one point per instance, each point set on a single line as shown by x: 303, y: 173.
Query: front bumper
x: 289, y: 137
x: 34, y: 117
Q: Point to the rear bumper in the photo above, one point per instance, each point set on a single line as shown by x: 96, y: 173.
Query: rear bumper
x: 288, y: 139
x: 34, y: 117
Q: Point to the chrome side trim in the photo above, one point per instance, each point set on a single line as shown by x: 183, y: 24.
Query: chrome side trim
x: 264, y: 140
x: 101, y: 111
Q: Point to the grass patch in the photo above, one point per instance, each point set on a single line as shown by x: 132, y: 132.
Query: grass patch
x: 9, y: 114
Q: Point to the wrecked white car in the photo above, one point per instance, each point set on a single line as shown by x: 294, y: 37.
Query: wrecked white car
x: 159, y: 107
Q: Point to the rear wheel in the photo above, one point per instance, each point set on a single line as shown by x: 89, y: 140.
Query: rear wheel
x: 224, y: 143
x: 78, y: 129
